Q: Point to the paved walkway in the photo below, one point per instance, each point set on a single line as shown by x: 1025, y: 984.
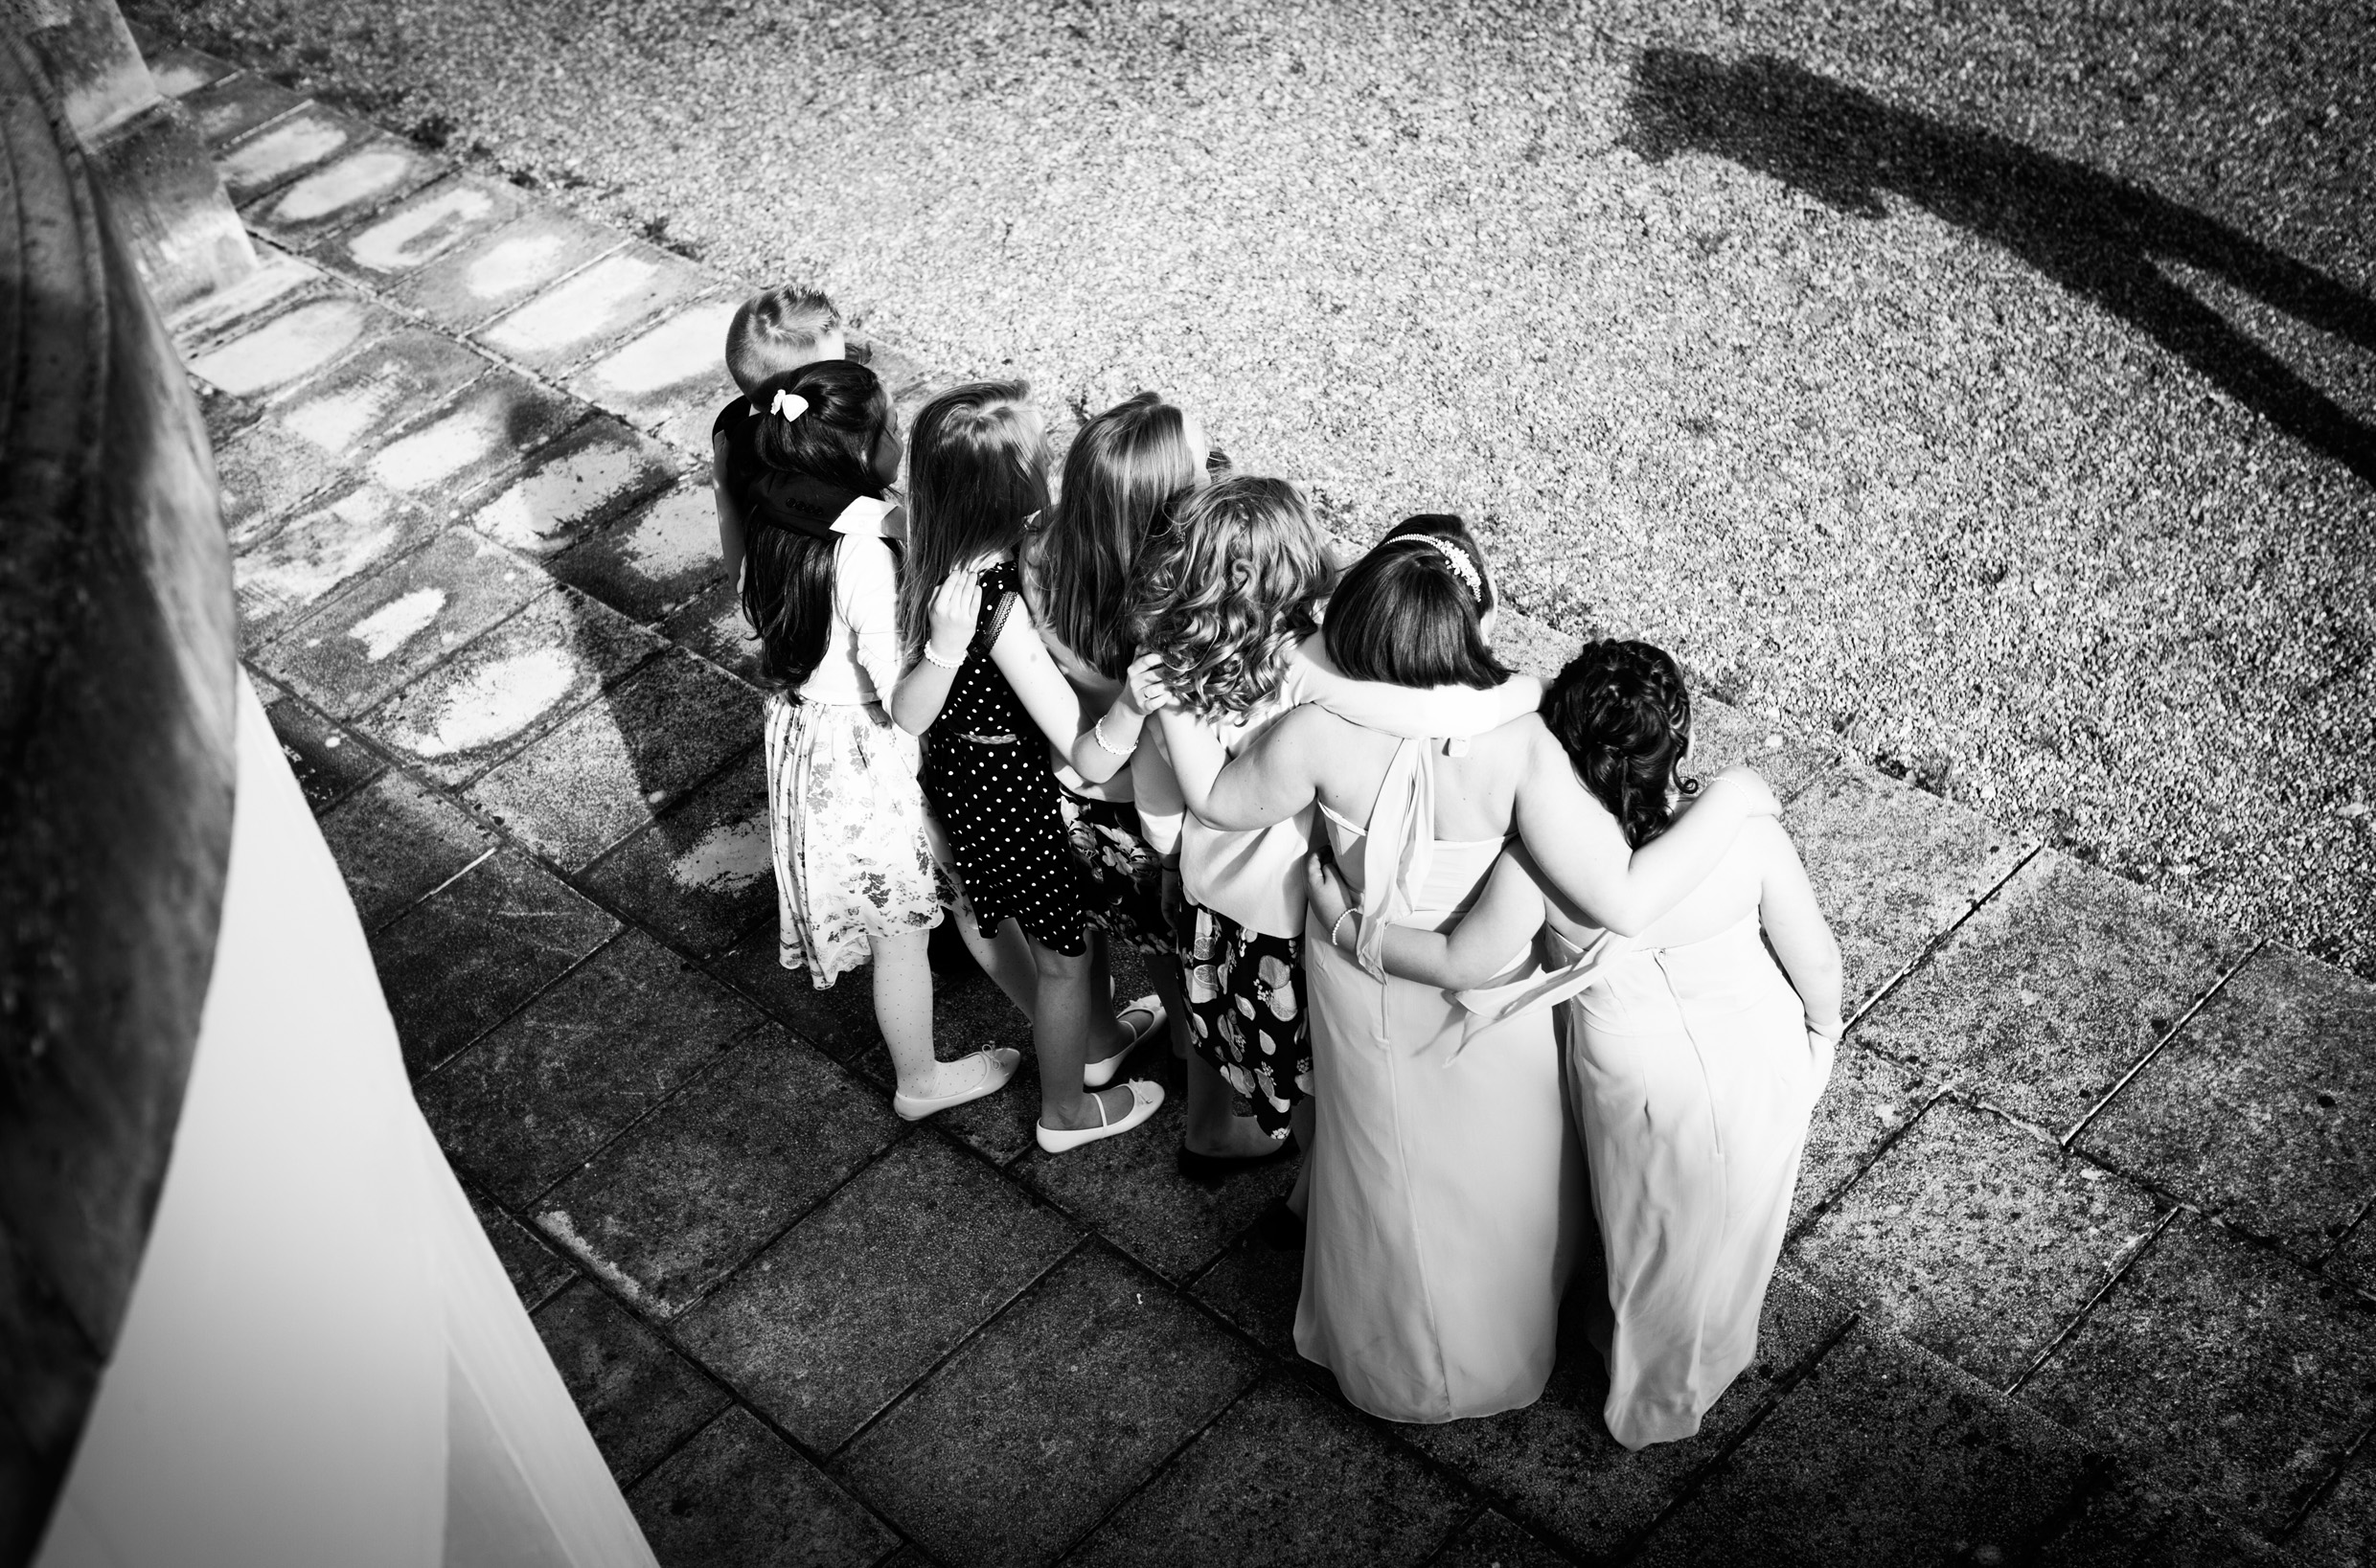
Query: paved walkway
x: 2082, y: 1271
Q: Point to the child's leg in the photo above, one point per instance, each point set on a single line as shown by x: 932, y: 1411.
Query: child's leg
x: 903, y: 1008
x: 1063, y: 1025
x: 1006, y: 958
x: 1211, y: 1125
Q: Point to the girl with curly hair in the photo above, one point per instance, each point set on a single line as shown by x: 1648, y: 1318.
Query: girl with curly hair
x: 1693, y: 1060
x: 1230, y: 602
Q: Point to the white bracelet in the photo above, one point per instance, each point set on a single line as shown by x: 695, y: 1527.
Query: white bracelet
x: 932, y: 658
x: 1098, y: 730
x: 1351, y: 910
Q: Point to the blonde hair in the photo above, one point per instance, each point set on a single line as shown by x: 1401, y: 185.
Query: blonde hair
x: 777, y: 330
x: 977, y: 466
x: 1230, y: 592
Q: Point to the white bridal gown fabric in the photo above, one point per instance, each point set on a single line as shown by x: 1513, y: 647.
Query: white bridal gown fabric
x: 1446, y: 1181
x: 1692, y: 1081
x: 322, y: 1362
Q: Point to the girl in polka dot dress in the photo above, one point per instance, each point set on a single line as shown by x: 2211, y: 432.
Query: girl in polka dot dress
x: 981, y: 690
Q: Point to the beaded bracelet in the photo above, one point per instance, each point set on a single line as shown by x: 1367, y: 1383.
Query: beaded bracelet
x: 932, y: 658
x: 1334, y: 940
x: 1098, y: 732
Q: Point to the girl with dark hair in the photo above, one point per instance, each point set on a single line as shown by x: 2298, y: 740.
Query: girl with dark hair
x: 1693, y: 1060
x: 981, y: 690
x: 1445, y: 1177
x: 853, y: 876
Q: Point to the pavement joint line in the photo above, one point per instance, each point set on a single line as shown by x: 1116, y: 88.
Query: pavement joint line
x: 1890, y: 1140
x: 2161, y: 1045
x: 531, y: 1000
x: 1163, y: 1464
x: 478, y: 860
x: 2350, y: 1229
x: 2325, y: 1487
x: 1938, y: 940
x: 2119, y: 1271
x: 1079, y: 1243
x: 1468, y: 1522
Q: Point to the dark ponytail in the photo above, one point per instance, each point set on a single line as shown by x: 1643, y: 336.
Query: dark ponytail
x: 788, y: 572
x: 1624, y: 714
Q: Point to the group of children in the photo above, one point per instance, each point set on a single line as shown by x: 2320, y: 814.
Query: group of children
x: 1113, y: 713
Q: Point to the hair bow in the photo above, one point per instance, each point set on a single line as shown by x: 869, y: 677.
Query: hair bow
x: 788, y: 406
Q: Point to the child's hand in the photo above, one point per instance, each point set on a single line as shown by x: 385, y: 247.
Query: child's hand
x: 1144, y: 689
x: 1757, y: 797
x: 1330, y: 897
x: 956, y: 610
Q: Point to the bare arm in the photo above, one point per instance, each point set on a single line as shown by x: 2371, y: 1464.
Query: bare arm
x: 1050, y: 699
x: 1268, y: 782
x: 1796, y: 930
x: 1405, y: 711
x: 1582, y: 854
x: 729, y: 515
x: 1495, y: 929
x: 923, y: 691
x: 1157, y: 789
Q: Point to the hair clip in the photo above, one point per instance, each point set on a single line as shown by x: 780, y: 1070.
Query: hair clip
x: 1462, y: 566
x: 790, y: 405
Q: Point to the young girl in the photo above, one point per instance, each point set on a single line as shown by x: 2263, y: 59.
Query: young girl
x: 1229, y: 602
x: 853, y: 878
x: 980, y: 687
x: 1693, y: 1062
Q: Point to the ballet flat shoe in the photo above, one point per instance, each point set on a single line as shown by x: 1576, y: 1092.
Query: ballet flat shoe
x: 1145, y: 1099
x: 915, y: 1107
x: 1096, y: 1075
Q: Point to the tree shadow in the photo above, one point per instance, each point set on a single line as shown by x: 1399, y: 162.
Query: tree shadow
x: 2097, y: 235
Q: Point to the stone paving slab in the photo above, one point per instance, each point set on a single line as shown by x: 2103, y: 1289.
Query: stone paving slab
x: 715, y: 626
x: 2227, y: 1372
x: 492, y: 271
x: 536, y: 1271
x: 1722, y: 735
x: 660, y: 555
x: 1870, y: 1100
x: 1492, y: 1542
x: 638, y: 1396
x: 670, y: 377
x: 403, y: 237
x: 266, y: 472
x: 288, y: 572
x: 1253, y: 1287
x: 2127, y: 1525
x: 386, y: 632
x: 277, y: 282
x: 476, y: 441
x: 2263, y: 1107
x: 836, y: 1318
x: 235, y: 103
x: 367, y: 399
x: 330, y: 762
x: 396, y: 842
x: 2056, y: 987
x: 180, y: 72
x: 702, y: 876
x: 460, y: 960
x: 296, y: 342
x: 369, y: 173
x: 1283, y: 1478
x: 1554, y: 1464
x: 282, y: 149
x: 1977, y: 1239
x: 1121, y: 1372
x: 538, y: 1096
x: 2340, y: 1530
x: 581, y: 481
x: 693, y: 1191
x: 1894, y: 868
x: 509, y: 685
x: 620, y: 762
x: 1882, y: 1457
x: 602, y: 303
x: 738, y: 1493
x: 2353, y: 1260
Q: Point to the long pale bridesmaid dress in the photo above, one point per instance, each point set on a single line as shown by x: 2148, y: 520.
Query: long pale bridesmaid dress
x: 1445, y: 1179
x: 1692, y: 1081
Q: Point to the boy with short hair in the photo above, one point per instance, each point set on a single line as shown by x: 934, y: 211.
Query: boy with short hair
x: 776, y: 332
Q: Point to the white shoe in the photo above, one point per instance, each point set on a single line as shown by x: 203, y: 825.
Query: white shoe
x: 1145, y: 1098
x: 997, y: 1066
x: 1096, y: 1075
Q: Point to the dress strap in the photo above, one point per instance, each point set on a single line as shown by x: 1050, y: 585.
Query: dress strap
x: 1398, y: 848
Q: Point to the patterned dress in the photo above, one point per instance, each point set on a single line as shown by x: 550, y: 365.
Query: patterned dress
x: 986, y: 772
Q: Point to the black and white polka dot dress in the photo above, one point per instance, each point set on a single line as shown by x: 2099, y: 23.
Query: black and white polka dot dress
x: 986, y: 772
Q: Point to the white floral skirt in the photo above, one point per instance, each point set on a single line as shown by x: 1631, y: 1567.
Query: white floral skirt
x: 847, y: 818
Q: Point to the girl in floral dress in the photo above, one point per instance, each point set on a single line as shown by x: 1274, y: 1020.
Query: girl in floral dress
x: 853, y: 878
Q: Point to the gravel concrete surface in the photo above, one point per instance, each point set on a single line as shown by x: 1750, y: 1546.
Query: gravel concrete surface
x: 1996, y: 388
